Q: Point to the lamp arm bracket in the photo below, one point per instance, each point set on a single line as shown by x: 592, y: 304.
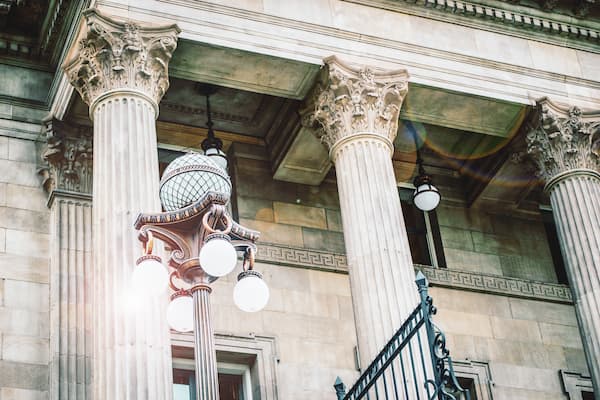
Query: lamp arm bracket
x: 216, y: 217
x: 180, y: 249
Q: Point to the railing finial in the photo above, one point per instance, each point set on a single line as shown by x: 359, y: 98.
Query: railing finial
x: 422, y: 282
x: 340, y: 388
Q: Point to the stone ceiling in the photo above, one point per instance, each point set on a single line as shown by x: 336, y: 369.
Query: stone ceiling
x: 235, y: 111
x: 468, y: 140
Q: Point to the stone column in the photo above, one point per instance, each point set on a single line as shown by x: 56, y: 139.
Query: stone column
x: 121, y: 72
x: 67, y: 177
x: 566, y: 147
x: 355, y: 112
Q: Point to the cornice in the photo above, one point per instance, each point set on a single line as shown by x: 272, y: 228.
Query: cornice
x: 506, y: 20
x: 310, y: 51
x: 443, y: 277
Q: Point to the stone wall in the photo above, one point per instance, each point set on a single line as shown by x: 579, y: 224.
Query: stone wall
x: 524, y: 342
x: 310, y: 316
x: 477, y: 241
x: 24, y: 274
x: 286, y: 213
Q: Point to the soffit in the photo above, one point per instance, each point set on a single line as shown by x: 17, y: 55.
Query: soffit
x: 232, y: 110
x: 458, y: 130
x: 243, y: 70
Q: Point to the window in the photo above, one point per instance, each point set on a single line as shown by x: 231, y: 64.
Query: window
x: 475, y: 376
x: 577, y: 386
x: 554, y: 244
x: 465, y: 383
x: 423, y: 233
x: 246, y: 367
x: 234, y: 381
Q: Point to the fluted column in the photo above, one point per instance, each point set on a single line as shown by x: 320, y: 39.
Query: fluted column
x: 121, y: 72
x: 566, y: 146
x: 355, y: 112
x: 67, y: 170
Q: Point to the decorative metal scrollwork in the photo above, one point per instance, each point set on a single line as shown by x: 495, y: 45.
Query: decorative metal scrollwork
x: 381, y: 377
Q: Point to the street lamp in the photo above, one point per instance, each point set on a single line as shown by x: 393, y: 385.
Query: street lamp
x: 204, y: 242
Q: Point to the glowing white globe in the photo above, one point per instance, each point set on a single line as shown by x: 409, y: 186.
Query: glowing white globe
x: 251, y: 293
x: 180, y: 313
x: 218, y: 256
x: 150, y: 276
x: 426, y: 197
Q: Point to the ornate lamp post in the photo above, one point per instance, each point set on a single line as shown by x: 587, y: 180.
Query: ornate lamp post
x: 203, y: 241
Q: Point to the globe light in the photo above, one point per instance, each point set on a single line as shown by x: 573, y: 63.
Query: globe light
x: 218, y: 256
x: 426, y: 197
x: 180, y: 313
x: 251, y: 293
x: 150, y: 276
x: 189, y: 177
x: 218, y: 156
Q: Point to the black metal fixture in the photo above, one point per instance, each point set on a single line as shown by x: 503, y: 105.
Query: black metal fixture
x: 426, y: 196
x: 212, y: 145
x: 394, y: 372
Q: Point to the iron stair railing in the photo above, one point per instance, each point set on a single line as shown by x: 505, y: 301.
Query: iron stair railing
x: 394, y: 374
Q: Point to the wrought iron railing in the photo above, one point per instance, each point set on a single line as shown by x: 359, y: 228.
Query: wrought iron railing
x: 410, y: 366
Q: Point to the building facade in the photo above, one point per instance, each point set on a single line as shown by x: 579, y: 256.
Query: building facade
x: 324, y: 108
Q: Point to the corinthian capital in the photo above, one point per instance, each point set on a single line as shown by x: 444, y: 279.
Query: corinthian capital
x: 66, y: 157
x: 564, y: 139
x: 350, y: 101
x: 121, y: 55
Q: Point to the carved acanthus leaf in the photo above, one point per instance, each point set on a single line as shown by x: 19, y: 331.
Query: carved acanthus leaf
x: 564, y: 139
x: 117, y: 55
x: 349, y: 101
x: 67, y: 157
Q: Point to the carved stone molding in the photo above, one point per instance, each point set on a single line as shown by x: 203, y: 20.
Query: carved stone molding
x: 443, y: 277
x: 349, y: 101
x: 115, y: 55
x: 494, y: 284
x: 67, y: 157
x: 564, y: 139
x: 503, y: 18
x: 303, y: 258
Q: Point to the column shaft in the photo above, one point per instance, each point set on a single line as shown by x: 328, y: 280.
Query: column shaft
x: 207, y: 382
x: 379, y: 261
x: 576, y: 208
x: 564, y: 143
x: 70, y: 266
x: 132, y: 357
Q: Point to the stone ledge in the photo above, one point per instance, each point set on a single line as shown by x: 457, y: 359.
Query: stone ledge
x: 442, y: 277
